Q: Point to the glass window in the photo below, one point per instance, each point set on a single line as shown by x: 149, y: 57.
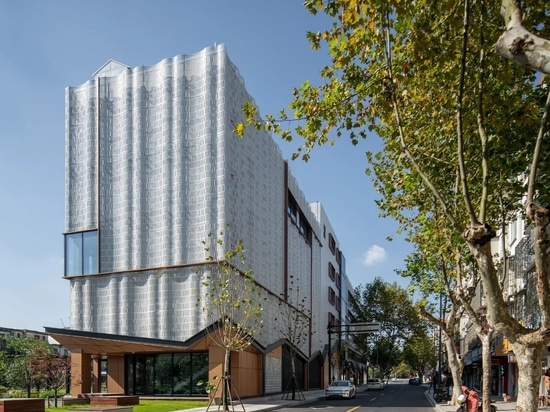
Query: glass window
x: 163, y: 374
x: 167, y: 374
x: 103, y: 375
x: 199, y: 366
x: 73, y: 254
x: 182, y: 372
x: 130, y: 376
x: 81, y: 256
x: 331, y: 271
x: 331, y: 243
x: 89, y: 252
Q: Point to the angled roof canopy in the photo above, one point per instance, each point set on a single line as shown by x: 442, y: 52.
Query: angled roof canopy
x: 101, y: 343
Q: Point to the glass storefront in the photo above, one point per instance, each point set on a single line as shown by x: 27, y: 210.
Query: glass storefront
x: 168, y: 374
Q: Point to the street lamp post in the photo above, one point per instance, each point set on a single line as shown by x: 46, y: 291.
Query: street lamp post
x: 329, y: 330
x: 352, y: 328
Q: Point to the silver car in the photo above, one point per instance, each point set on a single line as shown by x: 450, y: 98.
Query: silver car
x: 340, y: 389
x: 375, y: 384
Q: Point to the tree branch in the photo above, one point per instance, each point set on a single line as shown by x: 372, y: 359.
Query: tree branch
x: 519, y: 44
x: 459, y: 125
x: 481, y: 118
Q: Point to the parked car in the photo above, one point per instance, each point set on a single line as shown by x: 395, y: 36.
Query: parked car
x: 414, y: 381
x: 340, y: 389
x: 375, y: 384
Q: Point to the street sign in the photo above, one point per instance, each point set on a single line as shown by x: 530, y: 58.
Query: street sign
x: 363, y: 327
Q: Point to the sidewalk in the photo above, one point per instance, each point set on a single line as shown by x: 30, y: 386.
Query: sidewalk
x: 498, y: 402
x: 268, y: 403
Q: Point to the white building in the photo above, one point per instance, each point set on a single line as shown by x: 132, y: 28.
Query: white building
x: 153, y: 166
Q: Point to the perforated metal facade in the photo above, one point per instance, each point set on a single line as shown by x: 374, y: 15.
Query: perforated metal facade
x: 153, y: 165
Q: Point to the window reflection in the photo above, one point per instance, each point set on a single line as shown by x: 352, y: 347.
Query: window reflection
x: 170, y: 374
x: 89, y: 252
x: 81, y: 254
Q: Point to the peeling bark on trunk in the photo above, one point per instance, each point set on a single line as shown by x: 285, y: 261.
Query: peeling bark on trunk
x: 529, y: 366
x: 539, y: 217
x: 527, y: 344
x: 486, y: 339
x: 478, y: 239
x: 456, y: 365
x: 520, y: 45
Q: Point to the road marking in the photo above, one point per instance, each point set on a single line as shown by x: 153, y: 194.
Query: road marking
x: 353, y: 409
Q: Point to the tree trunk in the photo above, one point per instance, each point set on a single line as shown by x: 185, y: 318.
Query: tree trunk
x: 539, y: 217
x: 456, y: 365
x: 529, y: 366
x: 293, y: 375
x: 225, y: 382
x: 527, y: 344
x: 486, y: 339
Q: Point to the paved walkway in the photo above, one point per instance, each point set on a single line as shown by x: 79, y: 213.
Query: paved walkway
x: 266, y: 403
x: 498, y: 402
x: 501, y: 406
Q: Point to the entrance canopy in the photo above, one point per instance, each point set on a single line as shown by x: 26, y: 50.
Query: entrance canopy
x: 102, y: 343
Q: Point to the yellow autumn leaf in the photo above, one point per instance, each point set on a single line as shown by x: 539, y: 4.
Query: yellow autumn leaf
x: 239, y: 129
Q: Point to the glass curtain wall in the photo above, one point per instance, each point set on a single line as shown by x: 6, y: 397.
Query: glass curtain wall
x: 169, y: 374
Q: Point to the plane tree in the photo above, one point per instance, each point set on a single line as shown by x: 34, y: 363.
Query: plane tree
x: 444, y: 274
x: 391, y: 306
x: 433, y: 278
x: 419, y: 352
x: 458, y: 312
x: 459, y: 126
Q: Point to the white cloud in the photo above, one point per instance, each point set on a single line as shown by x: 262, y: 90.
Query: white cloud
x: 373, y: 255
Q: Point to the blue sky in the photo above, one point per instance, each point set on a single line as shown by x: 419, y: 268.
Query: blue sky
x: 47, y: 45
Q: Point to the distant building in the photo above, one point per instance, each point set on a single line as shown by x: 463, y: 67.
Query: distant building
x: 30, y: 334
x: 22, y: 333
x: 153, y: 166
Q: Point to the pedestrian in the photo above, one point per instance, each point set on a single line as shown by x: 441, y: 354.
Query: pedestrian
x: 542, y: 389
x: 546, y: 378
x: 472, y: 399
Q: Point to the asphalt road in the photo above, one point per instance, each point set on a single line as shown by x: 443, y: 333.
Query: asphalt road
x: 396, y: 397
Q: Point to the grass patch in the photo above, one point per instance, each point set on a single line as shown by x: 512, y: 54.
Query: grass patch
x: 146, y: 405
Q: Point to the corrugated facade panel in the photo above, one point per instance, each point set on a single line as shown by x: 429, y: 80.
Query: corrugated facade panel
x: 170, y: 171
